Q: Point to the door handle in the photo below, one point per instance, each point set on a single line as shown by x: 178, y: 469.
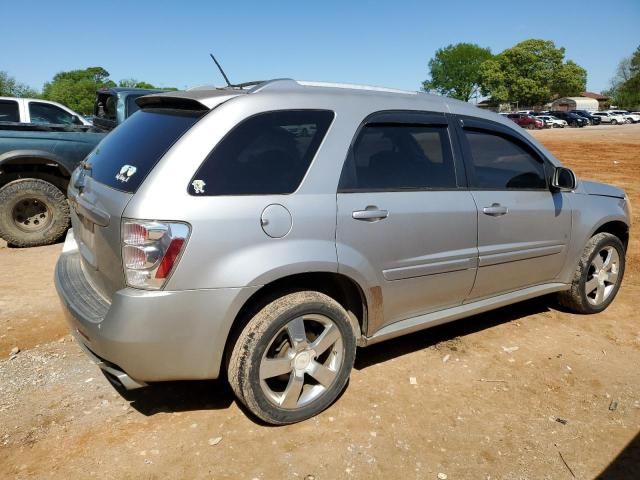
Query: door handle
x: 495, y: 210
x: 370, y: 214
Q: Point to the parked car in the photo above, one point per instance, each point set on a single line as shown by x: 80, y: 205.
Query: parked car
x: 628, y: 116
x: 607, y: 117
x: 36, y: 162
x: 572, y: 119
x: 533, y: 113
x: 113, y: 105
x: 36, y: 111
x: 592, y: 119
x: 210, y: 241
x: 525, y: 120
x: 552, y: 122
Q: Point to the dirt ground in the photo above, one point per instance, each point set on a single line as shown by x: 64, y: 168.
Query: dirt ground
x: 525, y: 392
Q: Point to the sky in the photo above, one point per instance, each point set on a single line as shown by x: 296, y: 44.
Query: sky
x: 368, y: 42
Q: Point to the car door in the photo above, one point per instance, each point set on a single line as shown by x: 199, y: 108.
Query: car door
x: 406, y: 225
x: 523, y: 226
x: 45, y: 113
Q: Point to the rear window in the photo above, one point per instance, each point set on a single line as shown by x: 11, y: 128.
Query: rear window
x: 126, y: 156
x: 9, y: 111
x: 106, y: 106
x: 267, y: 154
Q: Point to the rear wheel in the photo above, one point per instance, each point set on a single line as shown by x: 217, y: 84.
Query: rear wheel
x: 598, y: 275
x: 614, y: 122
x: 33, y: 212
x: 293, y: 358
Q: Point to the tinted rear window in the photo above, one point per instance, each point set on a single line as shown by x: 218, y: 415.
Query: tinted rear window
x: 126, y: 156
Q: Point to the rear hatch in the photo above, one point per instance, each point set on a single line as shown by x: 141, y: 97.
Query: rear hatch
x: 105, y: 182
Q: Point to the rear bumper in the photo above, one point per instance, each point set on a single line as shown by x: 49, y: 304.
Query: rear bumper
x: 145, y: 336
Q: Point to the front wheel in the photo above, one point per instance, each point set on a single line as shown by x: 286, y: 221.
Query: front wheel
x: 33, y: 212
x: 614, y: 122
x: 293, y: 358
x: 598, y: 275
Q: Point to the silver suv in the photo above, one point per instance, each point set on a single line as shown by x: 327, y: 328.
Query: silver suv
x: 264, y: 234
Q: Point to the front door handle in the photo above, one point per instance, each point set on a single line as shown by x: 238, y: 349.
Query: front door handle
x: 370, y: 214
x: 495, y: 210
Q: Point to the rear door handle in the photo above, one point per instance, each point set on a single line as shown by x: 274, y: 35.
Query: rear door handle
x: 495, y: 210
x: 370, y: 215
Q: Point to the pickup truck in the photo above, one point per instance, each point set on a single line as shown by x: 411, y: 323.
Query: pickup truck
x: 36, y: 162
x: 41, y: 112
x: 114, y: 105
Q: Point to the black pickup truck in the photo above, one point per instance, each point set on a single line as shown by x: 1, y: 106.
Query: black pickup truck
x: 36, y: 162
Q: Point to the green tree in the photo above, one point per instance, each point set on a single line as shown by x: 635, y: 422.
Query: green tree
x: 625, y: 85
x: 10, y: 87
x: 531, y: 73
x: 133, y: 83
x: 455, y: 70
x: 77, y: 88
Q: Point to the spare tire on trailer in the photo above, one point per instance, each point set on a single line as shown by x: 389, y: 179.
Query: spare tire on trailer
x: 33, y: 212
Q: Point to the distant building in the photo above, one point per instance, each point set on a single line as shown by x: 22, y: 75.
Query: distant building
x: 564, y: 104
x: 603, y: 100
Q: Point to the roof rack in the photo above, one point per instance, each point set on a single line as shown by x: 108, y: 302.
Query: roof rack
x: 281, y: 83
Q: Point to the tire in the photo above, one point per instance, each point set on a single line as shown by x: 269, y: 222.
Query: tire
x: 530, y: 126
x: 282, y: 337
x: 33, y: 212
x: 583, y: 296
x: 614, y: 122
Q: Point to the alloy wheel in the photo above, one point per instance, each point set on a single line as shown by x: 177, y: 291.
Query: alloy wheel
x: 602, y: 276
x: 302, y: 361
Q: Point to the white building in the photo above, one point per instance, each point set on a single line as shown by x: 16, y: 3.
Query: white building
x: 565, y: 104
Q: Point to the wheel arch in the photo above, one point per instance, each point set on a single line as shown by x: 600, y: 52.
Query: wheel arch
x: 34, y: 164
x: 615, y: 227
x: 346, y: 291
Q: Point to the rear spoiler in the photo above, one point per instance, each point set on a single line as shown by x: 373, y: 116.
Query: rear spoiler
x: 179, y: 103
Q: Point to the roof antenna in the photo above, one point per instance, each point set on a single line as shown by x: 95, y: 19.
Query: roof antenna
x: 221, y: 71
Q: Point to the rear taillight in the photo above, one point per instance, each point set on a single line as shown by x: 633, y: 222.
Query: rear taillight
x: 151, y: 250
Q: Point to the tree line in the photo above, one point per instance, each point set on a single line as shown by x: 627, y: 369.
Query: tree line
x: 74, y: 88
x: 531, y: 73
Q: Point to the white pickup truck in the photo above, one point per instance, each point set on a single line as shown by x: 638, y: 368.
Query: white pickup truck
x: 32, y: 110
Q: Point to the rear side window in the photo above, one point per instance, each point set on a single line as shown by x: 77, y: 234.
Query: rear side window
x: 268, y: 153
x: 126, y: 156
x: 399, y: 157
x: 44, y: 113
x: 106, y: 106
x: 498, y: 162
x: 9, y: 111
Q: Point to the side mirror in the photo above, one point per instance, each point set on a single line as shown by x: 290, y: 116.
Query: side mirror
x: 563, y: 179
x: 76, y: 120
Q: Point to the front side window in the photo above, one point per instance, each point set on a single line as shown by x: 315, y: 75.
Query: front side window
x: 399, y: 157
x: 9, y: 111
x: 498, y: 162
x: 267, y: 154
x: 43, y: 113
